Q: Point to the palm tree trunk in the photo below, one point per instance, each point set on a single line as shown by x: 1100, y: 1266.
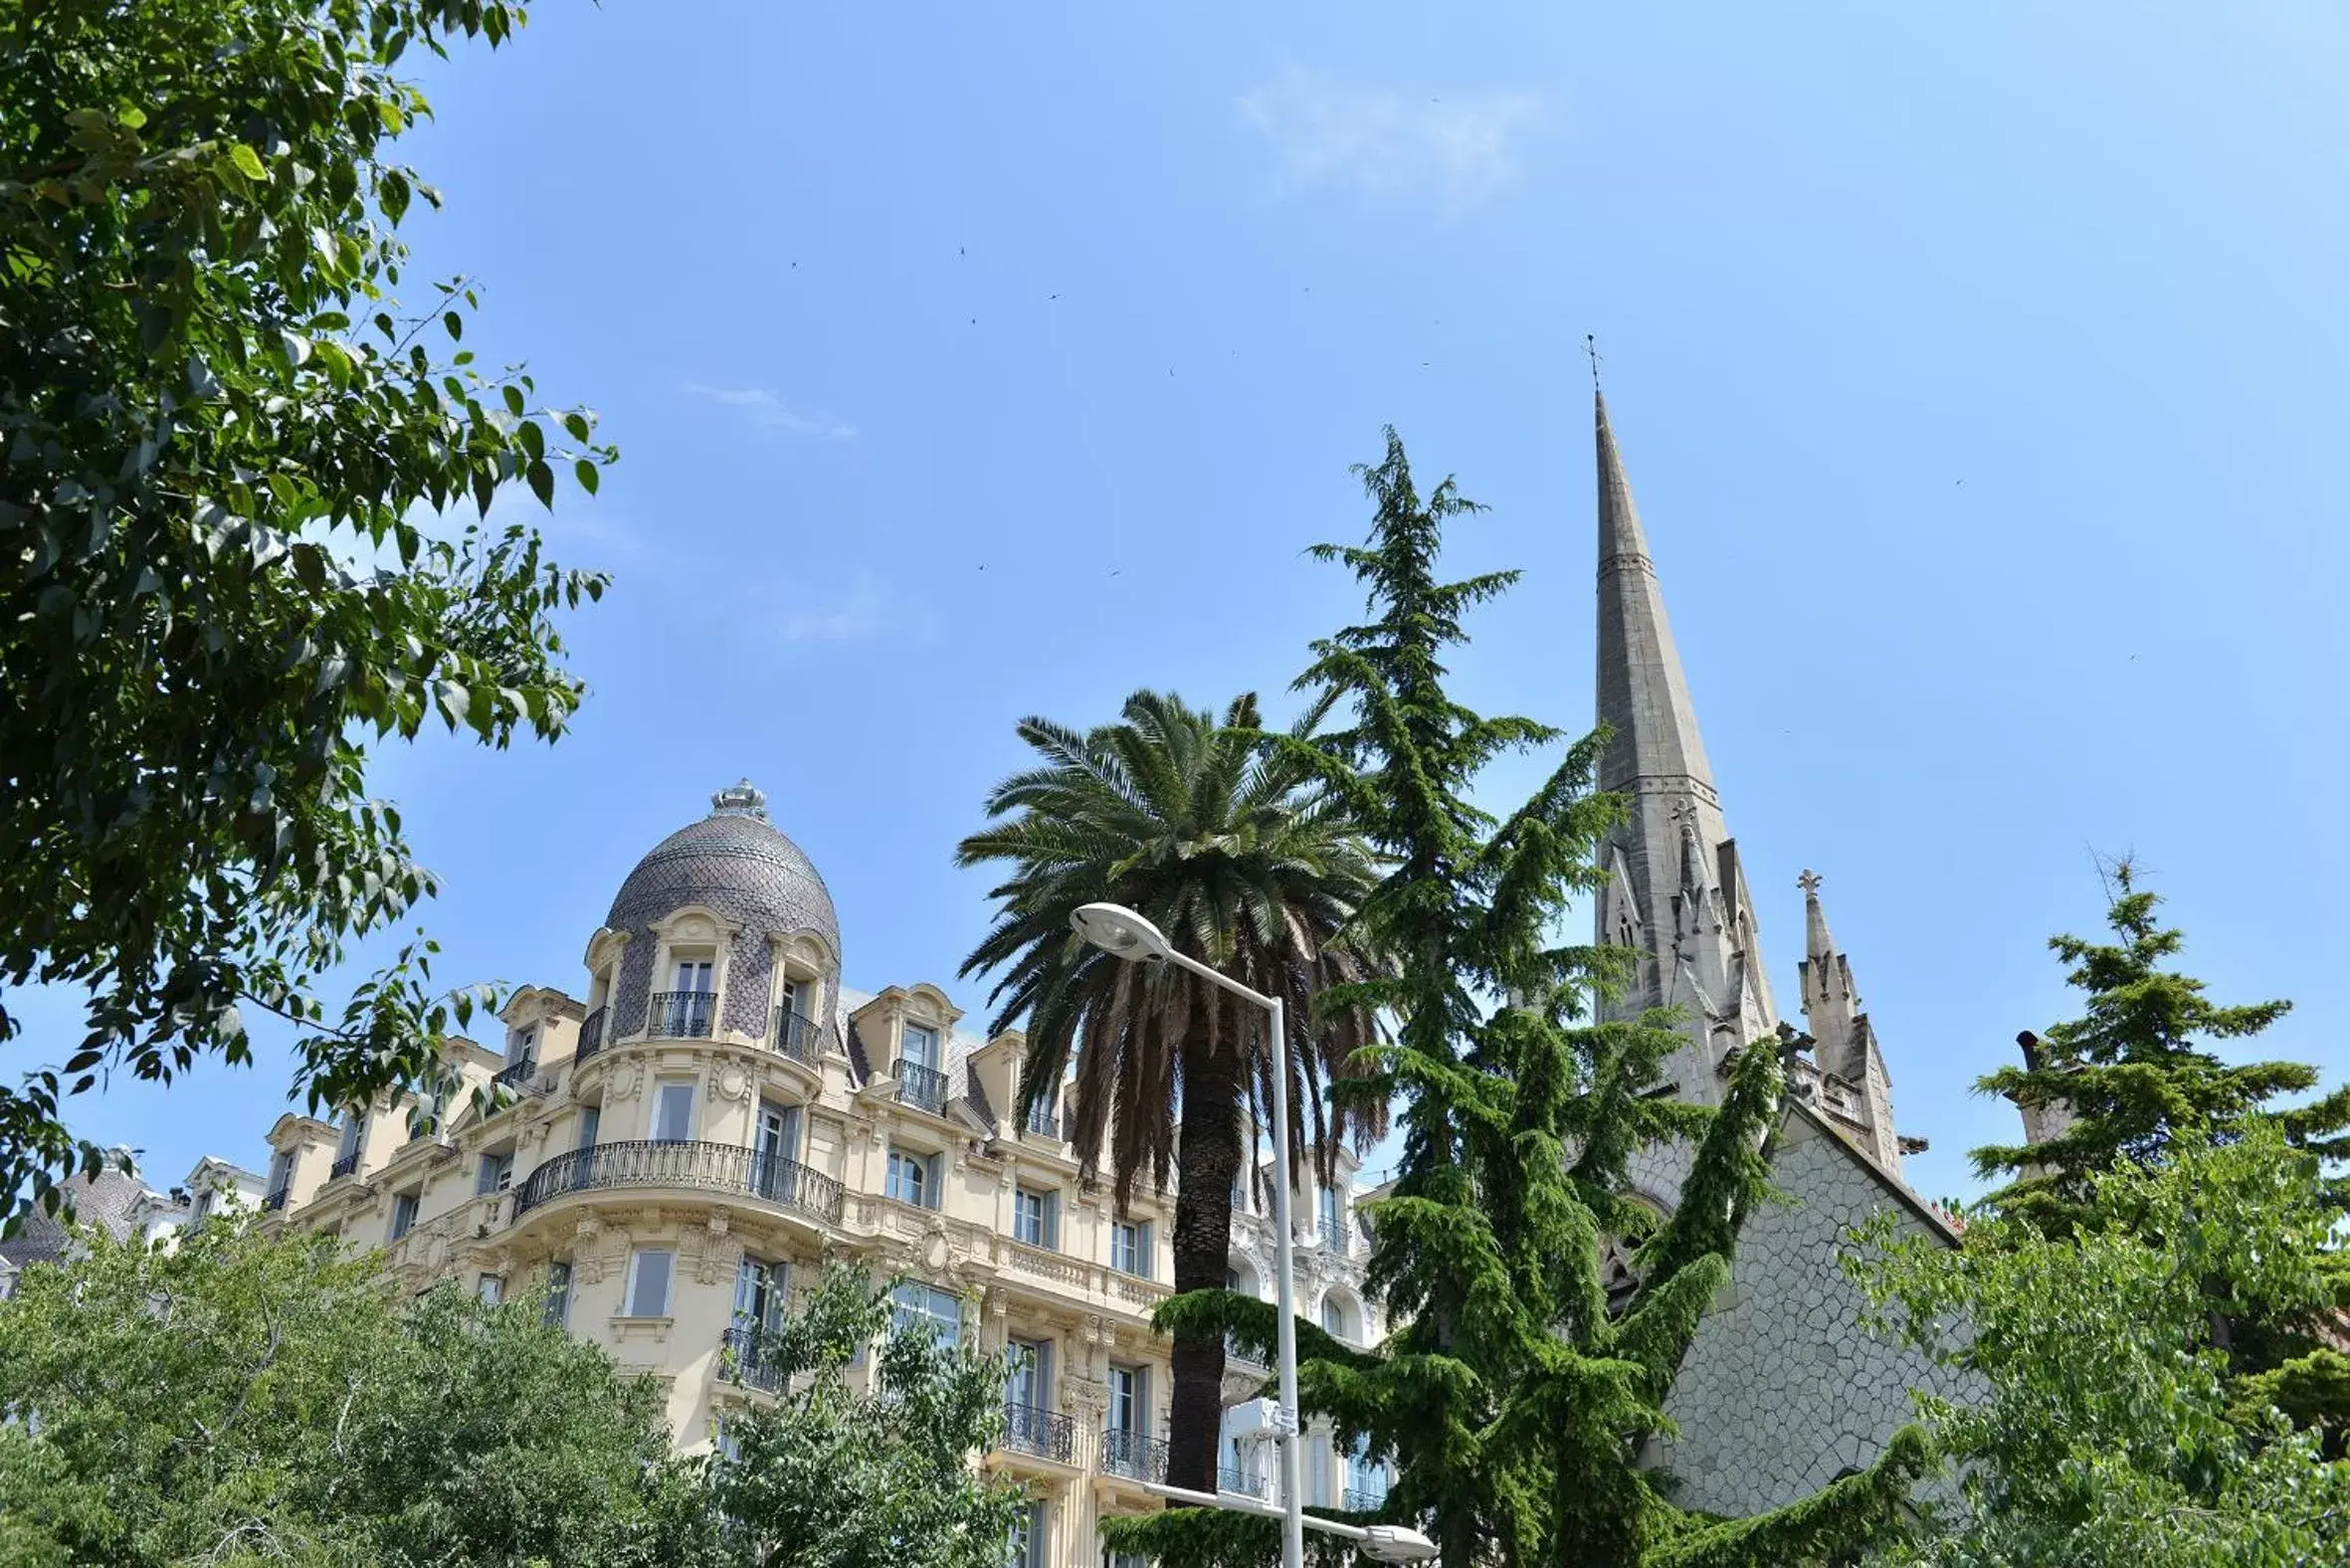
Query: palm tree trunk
x: 1210, y: 1157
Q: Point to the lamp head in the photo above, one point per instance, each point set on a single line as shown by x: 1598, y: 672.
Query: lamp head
x: 1119, y: 931
x: 1396, y: 1543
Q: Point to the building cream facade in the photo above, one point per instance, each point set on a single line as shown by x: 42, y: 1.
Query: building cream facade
x: 684, y: 1149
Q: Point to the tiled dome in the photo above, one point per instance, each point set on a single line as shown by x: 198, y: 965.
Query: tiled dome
x: 734, y: 862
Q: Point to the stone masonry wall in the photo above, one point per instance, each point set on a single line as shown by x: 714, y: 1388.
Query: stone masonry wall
x: 1783, y: 1389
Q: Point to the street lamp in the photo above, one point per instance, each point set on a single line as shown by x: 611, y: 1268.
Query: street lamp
x: 1382, y: 1543
x: 1121, y: 933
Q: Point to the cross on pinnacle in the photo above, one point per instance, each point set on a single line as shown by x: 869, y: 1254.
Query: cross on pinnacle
x: 1591, y: 351
x: 1809, y: 881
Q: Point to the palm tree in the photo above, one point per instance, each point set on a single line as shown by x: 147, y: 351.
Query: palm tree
x: 1228, y: 847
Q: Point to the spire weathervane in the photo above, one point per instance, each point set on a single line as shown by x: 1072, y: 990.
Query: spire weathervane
x: 1591, y: 353
x: 1809, y: 881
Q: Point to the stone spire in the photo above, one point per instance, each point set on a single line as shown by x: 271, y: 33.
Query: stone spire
x: 1829, y: 1007
x: 1859, y: 1093
x: 1676, y: 893
x: 1643, y: 694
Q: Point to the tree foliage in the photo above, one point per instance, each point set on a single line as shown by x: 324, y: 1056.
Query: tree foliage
x: 2115, y: 1431
x: 841, y: 1474
x: 221, y: 436
x: 243, y: 1401
x: 2131, y: 1083
x: 1511, y: 1395
x: 1231, y: 850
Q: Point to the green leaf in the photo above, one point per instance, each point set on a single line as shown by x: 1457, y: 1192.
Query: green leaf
x: 588, y: 475
x: 542, y: 483
x: 455, y: 322
x: 248, y: 161
x: 533, y: 439
x: 576, y: 423
x: 514, y: 400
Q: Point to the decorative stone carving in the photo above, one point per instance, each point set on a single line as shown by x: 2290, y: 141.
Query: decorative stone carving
x: 625, y: 1081
x: 733, y: 1082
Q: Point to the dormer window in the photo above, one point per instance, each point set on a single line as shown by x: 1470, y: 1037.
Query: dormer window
x: 684, y: 1011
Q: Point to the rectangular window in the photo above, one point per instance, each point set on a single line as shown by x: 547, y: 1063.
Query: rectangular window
x: 793, y: 1000
x: 1129, y: 1400
x: 1030, y: 1383
x: 921, y: 1046
x: 1329, y: 1211
x: 490, y: 1287
x: 1317, y: 1473
x: 281, y: 1171
x: 1027, y: 1545
x: 917, y: 1305
x: 558, y: 1294
x: 778, y: 1134
x: 1129, y: 1248
x: 913, y: 1178
x: 760, y: 1291
x: 672, y: 1110
x: 403, y: 1214
x: 589, y: 1117
x: 649, y: 1284
x: 526, y: 1047
x: 496, y: 1173
x: 1036, y: 1217
x: 693, y: 974
x: 347, y: 1143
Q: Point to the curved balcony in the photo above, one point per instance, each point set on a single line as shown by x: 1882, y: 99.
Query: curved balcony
x: 1136, y: 1455
x: 920, y: 1087
x: 516, y: 1075
x: 1046, y: 1434
x: 748, y: 1365
x: 680, y: 1015
x: 591, y: 1036
x: 274, y: 1201
x: 795, y: 1036
x: 706, y: 1167
x: 345, y: 1166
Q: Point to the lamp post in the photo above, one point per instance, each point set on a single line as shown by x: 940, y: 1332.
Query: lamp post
x: 1122, y: 933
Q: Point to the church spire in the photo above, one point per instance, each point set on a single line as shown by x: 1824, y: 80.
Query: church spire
x: 1644, y: 698
x: 1677, y: 895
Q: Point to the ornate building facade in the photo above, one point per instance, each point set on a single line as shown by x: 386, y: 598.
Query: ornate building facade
x: 720, y: 1115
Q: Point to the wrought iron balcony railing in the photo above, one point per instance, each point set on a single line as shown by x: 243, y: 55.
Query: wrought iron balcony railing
x: 795, y: 1034
x: 517, y: 1075
x: 746, y: 1364
x: 1048, y: 1434
x: 1137, y: 1456
x: 591, y: 1036
x: 276, y: 1201
x: 1239, y: 1356
x: 345, y: 1166
x: 1360, y: 1499
x: 1335, y: 1237
x: 1041, y: 1121
x: 680, y: 1015
x: 1246, y: 1479
x: 920, y: 1087
x: 715, y: 1167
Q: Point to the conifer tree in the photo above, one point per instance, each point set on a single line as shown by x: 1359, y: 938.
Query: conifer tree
x: 1511, y: 1396
x: 2130, y: 1083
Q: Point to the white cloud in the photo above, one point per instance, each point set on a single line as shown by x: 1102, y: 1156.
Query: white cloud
x: 1384, y: 144
x: 769, y: 411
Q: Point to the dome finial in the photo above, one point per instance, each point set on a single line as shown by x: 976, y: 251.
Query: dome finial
x: 742, y: 799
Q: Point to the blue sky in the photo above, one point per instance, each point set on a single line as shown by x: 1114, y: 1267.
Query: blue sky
x: 1979, y: 369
